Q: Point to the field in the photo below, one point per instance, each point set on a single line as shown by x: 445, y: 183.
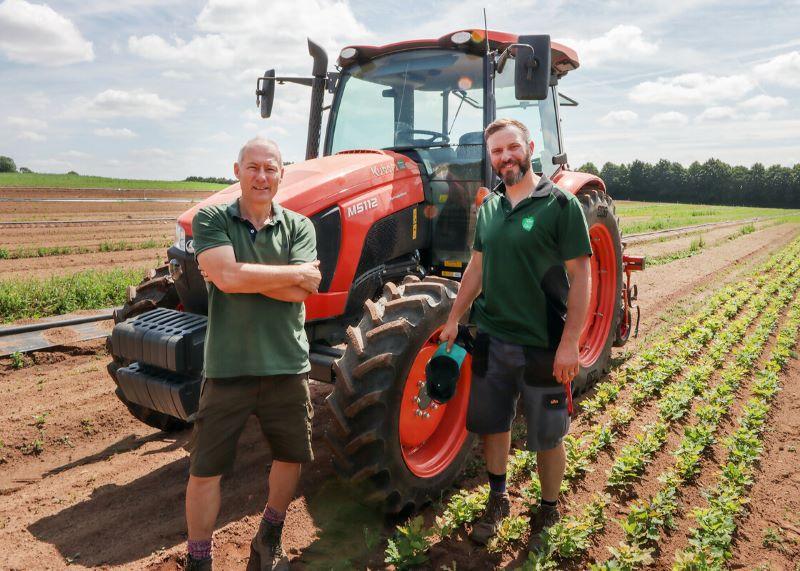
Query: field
x: 34, y: 180
x: 683, y: 457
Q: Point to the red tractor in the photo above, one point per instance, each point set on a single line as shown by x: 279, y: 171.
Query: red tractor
x: 393, y: 199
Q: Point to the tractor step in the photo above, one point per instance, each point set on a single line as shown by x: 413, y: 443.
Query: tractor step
x: 169, y: 393
x: 164, y: 338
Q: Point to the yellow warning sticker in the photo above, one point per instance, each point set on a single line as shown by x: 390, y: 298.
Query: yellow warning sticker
x: 452, y: 264
x: 414, y: 225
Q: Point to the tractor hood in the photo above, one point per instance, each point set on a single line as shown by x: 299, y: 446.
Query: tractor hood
x: 311, y: 186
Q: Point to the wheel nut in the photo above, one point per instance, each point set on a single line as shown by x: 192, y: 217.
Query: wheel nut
x: 434, y: 406
x: 420, y: 383
x: 426, y: 414
x: 418, y: 412
x: 415, y: 398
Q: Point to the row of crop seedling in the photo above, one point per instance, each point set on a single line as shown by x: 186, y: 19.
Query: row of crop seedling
x: 690, y: 338
x: 632, y: 460
x: 710, y: 542
x: 410, y: 543
x: 645, y: 520
x: 672, y: 405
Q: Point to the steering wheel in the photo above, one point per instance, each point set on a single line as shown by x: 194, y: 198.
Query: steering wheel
x: 434, y: 136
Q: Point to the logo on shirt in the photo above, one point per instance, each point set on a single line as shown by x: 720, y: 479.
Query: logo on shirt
x: 527, y: 223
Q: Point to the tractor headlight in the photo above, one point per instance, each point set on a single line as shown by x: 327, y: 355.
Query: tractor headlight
x: 180, y: 237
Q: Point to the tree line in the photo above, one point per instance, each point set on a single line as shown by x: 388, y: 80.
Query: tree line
x: 711, y: 182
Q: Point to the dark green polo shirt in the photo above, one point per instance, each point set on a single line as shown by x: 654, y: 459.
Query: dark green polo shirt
x: 248, y: 333
x: 525, y: 285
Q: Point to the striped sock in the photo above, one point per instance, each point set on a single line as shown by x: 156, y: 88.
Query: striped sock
x: 273, y: 516
x: 199, y: 549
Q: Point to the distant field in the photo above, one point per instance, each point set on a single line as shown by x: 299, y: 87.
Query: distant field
x: 81, y: 181
x: 649, y: 216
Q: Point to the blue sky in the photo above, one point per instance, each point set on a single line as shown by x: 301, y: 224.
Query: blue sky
x: 164, y: 88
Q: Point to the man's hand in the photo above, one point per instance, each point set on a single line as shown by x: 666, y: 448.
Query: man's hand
x: 566, y: 365
x: 449, y: 334
x: 310, y: 277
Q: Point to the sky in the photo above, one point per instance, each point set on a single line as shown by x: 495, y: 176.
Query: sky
x: 165, y: 88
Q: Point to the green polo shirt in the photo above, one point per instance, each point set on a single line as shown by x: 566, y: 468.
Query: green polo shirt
x: 248, y: 333
x: 525, y: 285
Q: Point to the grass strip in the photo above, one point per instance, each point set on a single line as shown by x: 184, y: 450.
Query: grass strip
x: 91, y: 289
x: 47, y: 251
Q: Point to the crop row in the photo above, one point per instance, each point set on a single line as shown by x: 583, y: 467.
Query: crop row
x: 709, y: 543
x: 642, y: 526
x: 47, y: 251
x: 560, y: 540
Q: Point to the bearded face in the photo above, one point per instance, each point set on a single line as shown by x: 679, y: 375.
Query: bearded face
x: 513, y: 169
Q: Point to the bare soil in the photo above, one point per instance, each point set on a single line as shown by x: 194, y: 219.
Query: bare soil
x: 71, y: 263
x: 82, y: 483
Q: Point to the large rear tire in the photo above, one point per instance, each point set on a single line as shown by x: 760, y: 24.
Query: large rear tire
x: 379, y: 433
x: 605, y: 306
x: 157, y: 290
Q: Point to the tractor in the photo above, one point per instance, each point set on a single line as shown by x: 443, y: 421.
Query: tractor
x: 393, y: 197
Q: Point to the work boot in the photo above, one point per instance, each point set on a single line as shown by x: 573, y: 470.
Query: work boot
x: 544, y: 517
x: 266, y: 553
x: 497, y: 508
x: 193, y: 564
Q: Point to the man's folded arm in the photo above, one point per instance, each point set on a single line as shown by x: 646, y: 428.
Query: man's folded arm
x: 230, y: 276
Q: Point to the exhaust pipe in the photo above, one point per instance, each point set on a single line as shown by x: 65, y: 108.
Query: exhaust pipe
x: 320, y: 73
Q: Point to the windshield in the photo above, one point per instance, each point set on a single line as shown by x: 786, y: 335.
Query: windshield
x: 429, y: 101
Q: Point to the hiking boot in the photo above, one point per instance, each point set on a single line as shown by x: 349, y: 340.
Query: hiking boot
x: 266, y: 553
x: 497, y: 508
x: 193, y: 564
x: 544, y: 517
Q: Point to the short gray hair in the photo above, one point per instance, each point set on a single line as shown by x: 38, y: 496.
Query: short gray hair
x: 259, y: 142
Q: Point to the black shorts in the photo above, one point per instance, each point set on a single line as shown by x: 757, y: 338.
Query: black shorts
x: 280, y: 402
x: 500, y: 374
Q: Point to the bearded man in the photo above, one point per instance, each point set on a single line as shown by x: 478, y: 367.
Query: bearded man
x: 530, y: 273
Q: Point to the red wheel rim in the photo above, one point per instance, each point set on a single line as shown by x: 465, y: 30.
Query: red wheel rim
x: 603, y: 296
x: 430, y: 444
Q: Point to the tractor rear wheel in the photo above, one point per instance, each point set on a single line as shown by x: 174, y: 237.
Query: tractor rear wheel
x: 157, y: 290
x: 605, y: 306
x: 379, y: 433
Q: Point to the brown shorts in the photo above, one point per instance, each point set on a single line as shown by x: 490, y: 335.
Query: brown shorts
x: 282, y: 405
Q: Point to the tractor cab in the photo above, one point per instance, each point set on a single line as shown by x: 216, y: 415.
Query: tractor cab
x: 430, y: 101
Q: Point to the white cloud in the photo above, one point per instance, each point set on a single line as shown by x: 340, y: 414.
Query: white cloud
x: 621, y: 43
x: 669, y: 118
x: 122, y: 133
x: 27, y: 123
x: 77, y: 155
x: 172, y: 74
x: 115, y: 103
x: 621, y: 117
x: 220, y: 137
x: 153, y: 153
x: 231, y: 35
x: 783, y: 69
x: 692, y: 89
x: 212, y: 51
x: 764, y: 101
x: 37, y: 34
x: 718, y: 113
x: 32, y: 136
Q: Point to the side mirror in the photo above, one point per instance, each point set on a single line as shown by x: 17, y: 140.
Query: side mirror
x: 532, y: 68
x: 265, y: 93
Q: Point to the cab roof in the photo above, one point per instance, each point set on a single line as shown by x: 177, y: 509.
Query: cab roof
x: 564, y: 59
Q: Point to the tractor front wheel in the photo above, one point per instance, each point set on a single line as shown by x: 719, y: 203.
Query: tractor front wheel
x: 380, y: 434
